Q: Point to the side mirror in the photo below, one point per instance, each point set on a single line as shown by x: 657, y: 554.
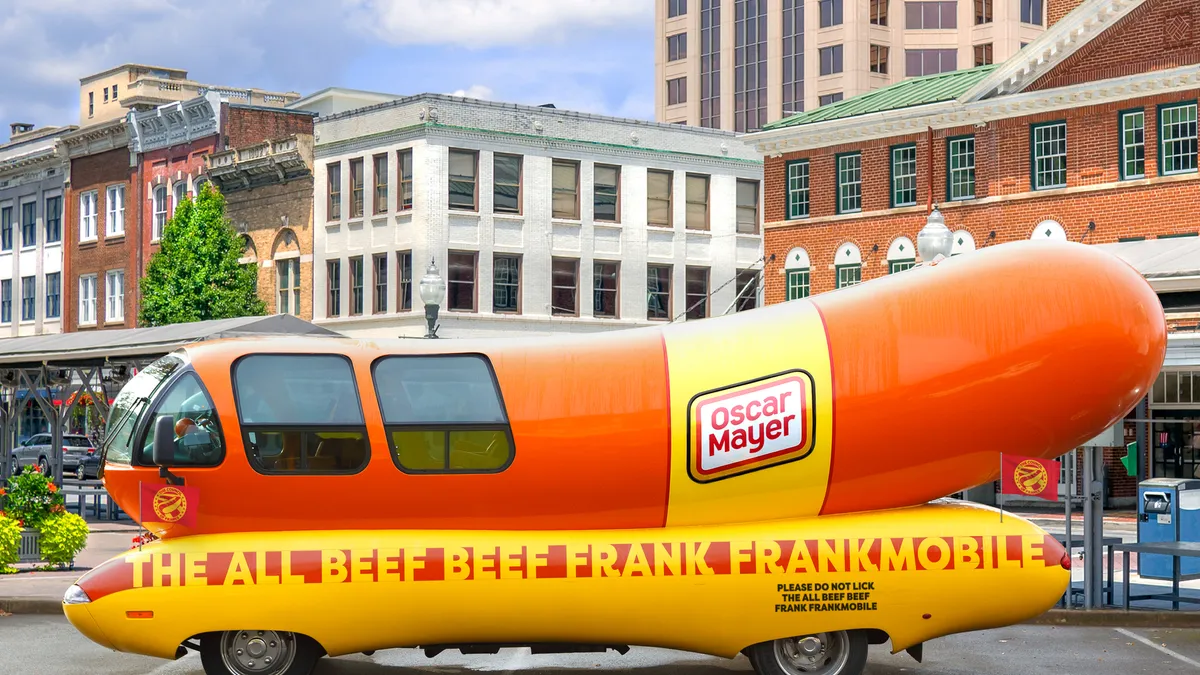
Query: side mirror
x: 163, y: 452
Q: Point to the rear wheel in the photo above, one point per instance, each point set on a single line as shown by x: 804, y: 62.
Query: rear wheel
x: 837, y: 653
x: 80, y: 474
x: 258, y: 652
x: 45, y: 466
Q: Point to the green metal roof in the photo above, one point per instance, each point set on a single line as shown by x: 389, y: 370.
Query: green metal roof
x: 904, y: 94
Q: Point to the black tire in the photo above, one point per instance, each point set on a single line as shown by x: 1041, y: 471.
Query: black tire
x: 305, y: 652
x: 45, y: 466
x: 841, y: 653
x: 80, y: 473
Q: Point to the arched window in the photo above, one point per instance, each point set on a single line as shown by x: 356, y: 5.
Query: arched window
x: 797, y: 267
x: 179, y: 192
x: 1049, y: 229
x: 286, y: 255
x: 249, y: 252
x: 963, y: 243
x: 902, y: 255
x: 848, y: 265
x: 159, y: 207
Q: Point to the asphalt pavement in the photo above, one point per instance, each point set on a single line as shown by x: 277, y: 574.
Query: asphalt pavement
x: 48, y: 645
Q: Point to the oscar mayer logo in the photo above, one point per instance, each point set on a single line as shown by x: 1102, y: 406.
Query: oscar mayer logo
x: 750, y: 426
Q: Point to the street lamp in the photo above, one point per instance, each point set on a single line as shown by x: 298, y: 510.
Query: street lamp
x: 935, y: 240
x: 433, y: 290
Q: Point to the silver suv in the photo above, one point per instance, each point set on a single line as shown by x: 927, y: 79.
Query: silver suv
x: 35, y: 451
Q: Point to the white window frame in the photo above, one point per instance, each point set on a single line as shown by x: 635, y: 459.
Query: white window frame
x: 114, y: 304
x: 158, y: 210
x: 114, y: 218
x: 1182, y: 116
x: 289, y: 294
x: 88, y: 216
x: 178, y: 193
x: 87, y: 304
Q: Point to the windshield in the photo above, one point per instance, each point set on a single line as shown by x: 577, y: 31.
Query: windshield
x: 130, y: 403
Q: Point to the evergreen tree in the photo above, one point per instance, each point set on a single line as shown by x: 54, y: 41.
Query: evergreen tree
x: 195, y: 275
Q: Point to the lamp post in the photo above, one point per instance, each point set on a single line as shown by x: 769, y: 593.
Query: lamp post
x: 433, y: 290
x: 935, y: 239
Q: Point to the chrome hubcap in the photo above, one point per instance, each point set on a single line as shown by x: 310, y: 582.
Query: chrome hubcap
x: 257, y: 652
x: 823, y: 653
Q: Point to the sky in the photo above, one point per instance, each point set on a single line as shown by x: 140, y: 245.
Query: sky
x: 586, y: 55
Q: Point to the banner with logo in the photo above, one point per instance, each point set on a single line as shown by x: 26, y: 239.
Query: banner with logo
x: 1029, y: 477
x: 169, y: 504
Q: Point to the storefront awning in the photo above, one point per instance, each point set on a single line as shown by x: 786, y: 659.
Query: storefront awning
x: 1170, y: 264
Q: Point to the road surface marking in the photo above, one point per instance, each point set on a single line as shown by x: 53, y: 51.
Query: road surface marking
x: 1151, y: 643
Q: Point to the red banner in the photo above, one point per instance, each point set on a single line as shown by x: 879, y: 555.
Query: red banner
x: 1029, y: 477
x: 170, y: 504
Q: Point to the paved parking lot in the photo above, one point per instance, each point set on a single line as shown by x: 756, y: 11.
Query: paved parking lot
x: 48, y: 645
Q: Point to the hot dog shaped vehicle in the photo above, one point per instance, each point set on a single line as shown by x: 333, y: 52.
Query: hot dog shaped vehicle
x: 761, y: 483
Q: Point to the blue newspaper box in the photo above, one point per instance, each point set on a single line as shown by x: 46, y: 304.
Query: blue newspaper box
x: 1168, y: 510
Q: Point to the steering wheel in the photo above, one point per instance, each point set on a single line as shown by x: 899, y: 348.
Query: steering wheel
x: 185, y: 425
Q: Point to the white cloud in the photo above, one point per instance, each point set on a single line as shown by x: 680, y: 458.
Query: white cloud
x: 475, y: 91
x: 490, y: 23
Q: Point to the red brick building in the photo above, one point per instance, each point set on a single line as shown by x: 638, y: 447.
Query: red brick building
x: 1088, y: 134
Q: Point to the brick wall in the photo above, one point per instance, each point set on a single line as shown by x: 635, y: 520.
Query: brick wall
x: 98, y: 172
x: 248, y: 126
x: 1057, y: 9
x: 1158, y: 35
x: 168, y: 166
x: 266, y: 214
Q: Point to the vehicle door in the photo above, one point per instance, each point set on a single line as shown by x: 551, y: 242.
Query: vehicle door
x: 39, y: 447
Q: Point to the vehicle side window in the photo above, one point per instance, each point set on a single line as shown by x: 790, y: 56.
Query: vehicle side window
x: 300, y: 414
x: 197, y: 433
x: 443, y: 414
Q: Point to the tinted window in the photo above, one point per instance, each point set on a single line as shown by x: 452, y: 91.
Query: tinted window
x: 437, y: 390
x: 296, y: 389
x: 197, y: 436
x: 76, y: 441
x: 128, y: 406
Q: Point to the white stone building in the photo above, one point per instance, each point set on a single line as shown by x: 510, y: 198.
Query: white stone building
x: 540, y: 220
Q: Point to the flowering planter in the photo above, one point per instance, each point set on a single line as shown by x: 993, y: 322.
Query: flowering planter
x: 30, y: 549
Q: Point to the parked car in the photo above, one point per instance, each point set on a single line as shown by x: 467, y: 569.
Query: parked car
x: 79, y: 455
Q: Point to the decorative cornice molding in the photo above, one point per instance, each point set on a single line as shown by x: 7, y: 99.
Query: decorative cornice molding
x: 175, y: 123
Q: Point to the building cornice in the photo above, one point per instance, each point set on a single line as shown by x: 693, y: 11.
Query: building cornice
x: 175, y: 123
x: 92, y: 140
x: 951, y: 114
x: 268, y: 163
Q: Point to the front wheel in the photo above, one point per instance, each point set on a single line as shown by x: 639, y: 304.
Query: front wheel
x: 258, y: 652
x: 837, y: 653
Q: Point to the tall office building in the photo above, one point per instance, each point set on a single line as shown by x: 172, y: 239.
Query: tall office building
x: 740, y: 64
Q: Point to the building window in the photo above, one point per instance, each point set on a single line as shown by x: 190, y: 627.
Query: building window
x: 931, y: 15
x: 676, y: 47
x: 356, y: 188
x: 1177, y: 138
x: 6, y: 301
x: 114, y: 222
x: 879, y: 12
x: 879, y: 59
x: 6, y: 227
x: 793, y: 57
x: 983, y: 55
x: 798, y: 284
x: 28, y: 224
x: 404, y: 160
x: 333, y: 283
x: 565, y: 178
x: 849, y: 275
x: 461, y: 281
x: 506, y: 284
x: 288, y: 286
x: 849, y: 181
x: 604, y: 289
x: 696, y: 291
x: 564, y: 299
x: 929, y: 61
x: 676, y: 8
x: 506, y: 183
x: 831, y: 13
x: 747, y: 206
x: 87, y: 300
x: 114, y: 296
x: 831, y: 60
x: 1133, y: 144
x: 379, y: 304
x: 904, y: 175
x: 356, y: 286
x: 658, y: 198
x: 747, y: 285
x: 710, y: 63
x: 797, y: 189
x: 606, y: 193
x: 463, y: 172
x: 677, y: 91
x: 828, y: 99
x: 750, y: 65
x: 658, y: 292
x: 114, y: 92
x: 106, y: 94
x: 697, y: 202
x: 53, y: 294
x: 404, y: 267
x: 381, y: 185
x: 895, y: 266
x: 334, y: 186
x: 53, y: 219
x: 983, y: 12
x: 1031, y: 12
x: 91, y: 103
x: 159, y: 210
x: 960, y: 162
x: 87, y: 216
x: 180, y: 190
x: 1049, y: 155
x: 28, y: 298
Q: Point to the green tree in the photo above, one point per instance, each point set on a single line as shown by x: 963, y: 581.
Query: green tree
x: 195, y: 275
